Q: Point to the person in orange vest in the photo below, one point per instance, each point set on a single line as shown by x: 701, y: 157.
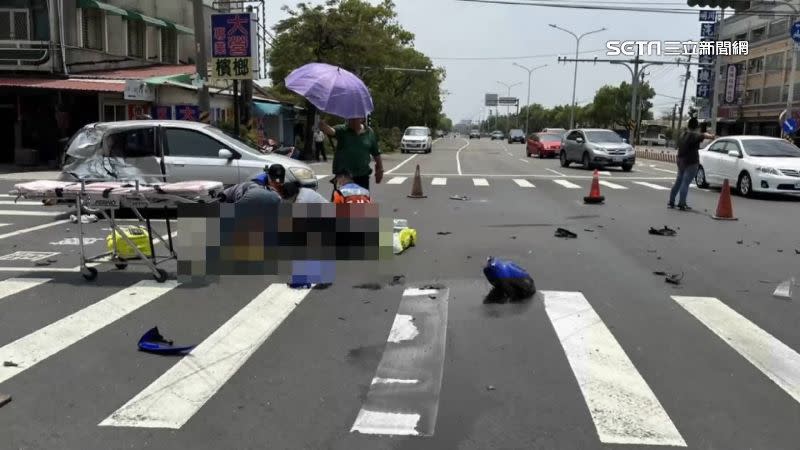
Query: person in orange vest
x: 345, y: 190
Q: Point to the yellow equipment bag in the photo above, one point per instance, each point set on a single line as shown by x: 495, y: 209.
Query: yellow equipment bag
x: 137, y: 234
x: 403, y: 239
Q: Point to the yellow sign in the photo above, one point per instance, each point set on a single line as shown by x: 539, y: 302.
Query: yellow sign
x: 232, y: 68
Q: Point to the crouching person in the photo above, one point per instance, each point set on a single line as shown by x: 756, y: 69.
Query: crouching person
x: 345, y: 190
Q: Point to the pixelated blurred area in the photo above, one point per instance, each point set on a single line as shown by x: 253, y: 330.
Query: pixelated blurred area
x: 301, y: 240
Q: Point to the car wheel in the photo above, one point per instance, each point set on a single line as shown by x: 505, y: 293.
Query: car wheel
x: 563, y: 158
x: 627, y: 167
x: 586, y: 161
x: 745, y: 185
x: 700, y: 178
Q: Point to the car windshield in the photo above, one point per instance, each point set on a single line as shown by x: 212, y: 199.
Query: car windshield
x: 416, y: 132
x: 550, y: 137
x: 771, y: 148
x: 517, y: 133
x: 604, y: 137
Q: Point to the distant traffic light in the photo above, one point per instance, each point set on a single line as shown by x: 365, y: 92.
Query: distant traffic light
x: 737, y: 5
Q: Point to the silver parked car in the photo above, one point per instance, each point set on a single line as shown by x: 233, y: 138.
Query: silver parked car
x: 192, y: 151
x: 594, y: 147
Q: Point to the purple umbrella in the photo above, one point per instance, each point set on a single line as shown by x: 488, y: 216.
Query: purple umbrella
x: 332, y: 90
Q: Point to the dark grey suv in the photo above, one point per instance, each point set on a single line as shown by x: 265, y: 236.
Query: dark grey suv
x: 594, y: 147
x: 516, y: 136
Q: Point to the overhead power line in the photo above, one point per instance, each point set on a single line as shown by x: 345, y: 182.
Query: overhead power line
x: 501, y: 58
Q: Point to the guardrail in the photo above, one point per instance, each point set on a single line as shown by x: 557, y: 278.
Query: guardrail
x: 656, y: 155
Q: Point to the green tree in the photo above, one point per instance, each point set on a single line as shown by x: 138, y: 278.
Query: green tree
x: 363, y: 38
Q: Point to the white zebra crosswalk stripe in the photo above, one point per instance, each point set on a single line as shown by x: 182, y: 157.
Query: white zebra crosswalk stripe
x: 13, y: 286
x: 773, y: 358
x: 45, y: 342
x: 322, y: 177
x: 623, y: 407
x: 480, y: 182
x: 657, y: 187
x: 611, y: 185
x: 567, y: 184
x: 524, y: 183
x: 4, y: 224
x: 439, y: 182
x: 19, y: 203
x: 397, y: 180
x: 172, y: 399
x: 19, y: 212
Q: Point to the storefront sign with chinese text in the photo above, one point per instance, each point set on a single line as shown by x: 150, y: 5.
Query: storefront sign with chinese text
x: 187, y: 112
x: 233, y: 46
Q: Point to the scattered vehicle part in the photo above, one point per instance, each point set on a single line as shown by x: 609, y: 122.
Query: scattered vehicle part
x: 153, y: 342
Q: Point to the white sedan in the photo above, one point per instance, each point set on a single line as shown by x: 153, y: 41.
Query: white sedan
x: 751, y: 164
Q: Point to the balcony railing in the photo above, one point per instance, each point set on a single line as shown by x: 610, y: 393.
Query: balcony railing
x: 21, y: 54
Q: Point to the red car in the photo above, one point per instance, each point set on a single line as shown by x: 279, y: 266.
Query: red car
x: 544, y: 144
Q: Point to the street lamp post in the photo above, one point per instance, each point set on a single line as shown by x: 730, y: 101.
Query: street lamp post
x: 508, y: 113
x: 528, y: 104
x: 575, y: 75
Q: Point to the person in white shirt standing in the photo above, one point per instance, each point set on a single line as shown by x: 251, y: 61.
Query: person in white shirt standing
x: 319, y: 142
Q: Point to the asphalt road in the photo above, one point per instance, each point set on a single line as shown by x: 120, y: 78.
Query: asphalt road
x: 606, y: 355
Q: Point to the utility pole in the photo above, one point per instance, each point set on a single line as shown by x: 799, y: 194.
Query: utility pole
x: 674, y: 113
x: 639, y: 112
x: 685, y: 82
x: 528, y: 107
x: 202, y: 58
x: 717, y: 80
x: 508, y: 107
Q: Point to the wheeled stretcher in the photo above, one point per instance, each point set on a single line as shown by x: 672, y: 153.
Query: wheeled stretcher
x: 109, y: 197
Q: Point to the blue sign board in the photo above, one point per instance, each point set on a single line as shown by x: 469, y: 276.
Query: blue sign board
x: 790, y: 125
x: 187, y: 112
x: 708, y: 16
x: 708, y: 30
x: 705, y: 59
x: 233, y: 41
x: 703, y: 91
x: 704, y: 76
x: 796, y: 32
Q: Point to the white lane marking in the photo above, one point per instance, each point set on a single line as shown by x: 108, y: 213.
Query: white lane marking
x: 458, y: 156
x: 45, y: 342
x: 480, y: 181
x: 657, y: 187
x: 524, y: 160
x: 523, y: 183
x: 530, y: 175
x: 20, y: 203
x: 605, y: 173
x: 321, y: 177
x: 13, y: 286
x: 555, y: 172
x: 17, y: 212
x: 623, y: 407
x: 567, y: 184
x: 664, y: 170
x: 4, y: 224
x: 401, y: 164
x: 7, y: 196
x: 403, y: 329
x: 612, y: 185
x: 411, y: 292
x: 773, y: 358
x: 396, y: 180
x: 439, y: 181
x: 377, y: 380
x: 376, y: 422
x: 45, y: 269
x: 172, y: 399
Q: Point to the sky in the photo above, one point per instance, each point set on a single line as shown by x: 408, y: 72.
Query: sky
x: 448, y: 29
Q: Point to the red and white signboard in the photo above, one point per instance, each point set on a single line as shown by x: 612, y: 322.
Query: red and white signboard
x: 730, y: 84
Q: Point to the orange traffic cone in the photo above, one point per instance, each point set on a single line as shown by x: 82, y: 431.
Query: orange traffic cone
x: 416, y: 188
x: 594, y: 194
x: 724, y: 207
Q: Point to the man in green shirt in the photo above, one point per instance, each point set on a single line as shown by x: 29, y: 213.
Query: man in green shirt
x: 355, y: 143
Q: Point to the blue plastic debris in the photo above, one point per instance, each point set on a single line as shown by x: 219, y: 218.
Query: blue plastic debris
x: 153, y: 342
x: 509, y: 278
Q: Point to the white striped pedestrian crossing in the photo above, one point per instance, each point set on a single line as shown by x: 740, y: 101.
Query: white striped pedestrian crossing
x: 567, y: 184
x: 13, y: 286
x: 772, y: 357
x: 322, y: 177
x: 171, y: 400
x: 19, y: 203
x: 20, y: 212
x: 611, y: 185
x: 523, y: 183
x: 397, y: 180
x: 657, y: 187
x: 4, y: 224
x: 45, y: 342
x: 480, y: 181
x: 624, y: 408
x: 439, y: 182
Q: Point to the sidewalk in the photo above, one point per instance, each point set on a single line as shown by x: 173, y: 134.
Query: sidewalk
x: 13, y: 172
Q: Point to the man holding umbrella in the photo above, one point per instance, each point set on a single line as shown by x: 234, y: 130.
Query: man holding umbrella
x: 355, y: 143
x: 336, y: 91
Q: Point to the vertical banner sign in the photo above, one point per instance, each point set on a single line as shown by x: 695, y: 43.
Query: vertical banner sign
x: 233, y: 46
x: 740, y: 83
x: 162, y: 112
x: 187, y: 112
x: 708, y: 16
x: 730, y: 84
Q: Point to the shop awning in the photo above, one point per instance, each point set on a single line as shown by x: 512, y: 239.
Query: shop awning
x: 133, y: 15
x: 267, y: 109
x: 94, y: 4
x: 179, y: 28
x: 86, y: 85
